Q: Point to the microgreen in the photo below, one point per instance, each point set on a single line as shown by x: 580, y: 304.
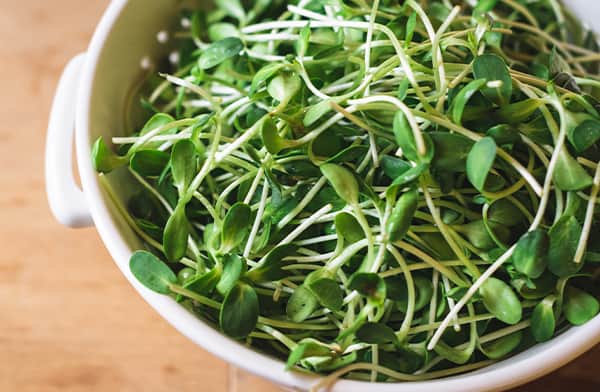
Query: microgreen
x: 580, y: 307
x: 501, y: 301
x: 220, y: 51
x: 103, y: 159
x: 543, y: 322
x: 480, y: 161
x: 385, y: 190
x: 376, y: 333
x: 235, y: 226
x: 530, y: 256
x: 301, y: 304
x: 240, y: 310
x: 149, y: 163
x: 233, y: 268
x: 152, y: 272
x: 343, y: 181
x: 402, y: 215
x: 493, y: 70
x: 564, y: 237
x: 176, y: 235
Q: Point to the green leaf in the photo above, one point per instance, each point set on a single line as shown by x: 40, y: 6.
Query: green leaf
x: 505, y: 212
x: 504, y: 134
x: 176, y: 233
x: 500, y: 300
x: 451, y: 151
x: 103, y: 159
x: 585, y: 135
x: 326, y: 145
x: 348, y: 228
x: 397, y: 290
x: 493, y: 69
x: 480, y: 162
x: 343, y: 182
x: 185, y: 275
x: 232, y: 8
x: 518, y: 112
x: 530, y: 255
x: 579, y: 307
x: 270, y: 136
x: 411, y: 24
x: 460, y: 101
x: 303, y: 41
x: 408, y: 176
x: 564, y: 238
x: 159, y: 120
x: 220, y: 51
x: 284, y: 87
x: 348, y: 154
x: 233, y: 268
x: 239, y: 311
x: 263, y: 76
x: 369, y: 285
x: 304, y: 169
x: 220, y: 31
x: 503, y: 346
x: 152, y: 272
x: 394, y: 167
x: 478, y: 235
x: 307, y: 348
x: 317, y: 111
x: 183, y: 165
x: 235, y: 226
x: 271, y: 268
x: 569, y: 175
x: 402, y: 215
x: 376, y: 333
x: 325, y: 364
x: 301, y: 304
x: 328, y: 292
x: 484, y: 6
x: 403, y: 89
x: 271, y: 139
x: 457, y: 355
x: 204, y: 284
x: 405, y: 136
x: 403, y: 359
x: 543, y: 323
x: 535, y: 288
x: 149, y: 163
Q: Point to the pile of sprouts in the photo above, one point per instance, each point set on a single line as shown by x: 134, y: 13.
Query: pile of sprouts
x: 380, y: 190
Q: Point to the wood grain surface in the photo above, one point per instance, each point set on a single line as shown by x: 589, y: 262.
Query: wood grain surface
x: 68, y: 320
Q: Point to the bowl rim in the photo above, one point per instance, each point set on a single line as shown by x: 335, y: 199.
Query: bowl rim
x: 523, y: 367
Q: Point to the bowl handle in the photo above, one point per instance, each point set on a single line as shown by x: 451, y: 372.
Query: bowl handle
x: 66, y: 199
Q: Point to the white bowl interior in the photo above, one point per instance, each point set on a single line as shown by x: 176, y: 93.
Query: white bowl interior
x: 127, y: 34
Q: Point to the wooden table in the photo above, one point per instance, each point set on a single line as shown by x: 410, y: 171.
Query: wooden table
x: 68, y: 320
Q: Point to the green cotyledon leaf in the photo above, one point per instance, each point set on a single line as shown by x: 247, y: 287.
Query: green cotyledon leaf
x: 343, y: 181
x: 530, y: 255
x: 564, y: 238
x: 239, y: 311
x: 494, y: 71
x: 176, y: 234
x: 220, y: 51
x: 235, y: 226
x: 152, y: 272
x: 402, y: 214
x: 500, y: 300
x: 480, y: 161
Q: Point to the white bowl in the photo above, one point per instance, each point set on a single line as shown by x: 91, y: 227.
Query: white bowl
x: 93, y: 96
